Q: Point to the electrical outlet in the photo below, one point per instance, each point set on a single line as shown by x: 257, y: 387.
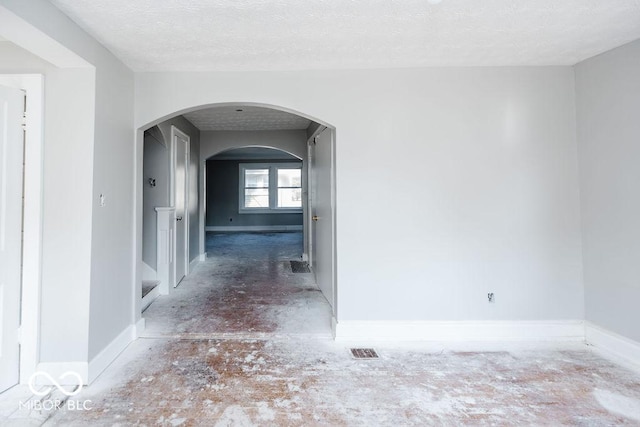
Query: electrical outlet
x: 490, y: 297
x: 103, y: 202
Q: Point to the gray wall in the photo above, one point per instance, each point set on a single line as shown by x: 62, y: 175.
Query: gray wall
x: 156, y: 165
x: 223, y: 198
x: 608, y: 108
x: 484, y: 199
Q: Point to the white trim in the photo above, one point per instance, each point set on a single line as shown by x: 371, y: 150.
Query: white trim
x: 99, y: 363
x: 334, y: 225
x: 613, y: 346
x: 138, y: 226
x: 447, y: 331
x: 312, y: 211
x: 258, y: 228
x: 56, y: 369
x: 33, y: 84
x: 308, y: 217
x: 175, y: 134
x: 166, y: 252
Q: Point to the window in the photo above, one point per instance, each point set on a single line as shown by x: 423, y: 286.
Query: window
x: 270, y: 188
x: 289, y: 188
x: 256, y: 188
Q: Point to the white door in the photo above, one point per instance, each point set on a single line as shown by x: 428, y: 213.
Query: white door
x: 11, y: 167
x: 322, y: 223
x: 181, y: 185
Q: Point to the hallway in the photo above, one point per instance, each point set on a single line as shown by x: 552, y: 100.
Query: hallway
x: 245, y: 289
x: 244, y: 341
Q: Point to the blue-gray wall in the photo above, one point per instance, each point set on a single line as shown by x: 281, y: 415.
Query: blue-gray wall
x: 223, y: 198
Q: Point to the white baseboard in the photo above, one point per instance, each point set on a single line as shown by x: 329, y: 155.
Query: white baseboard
x: 613, y: 346
x: 57, y: 369
x: 458, y: 331
x: 256, y: 228
x: 110, y: 352
x: 140, y: 326
x: 148, y: 273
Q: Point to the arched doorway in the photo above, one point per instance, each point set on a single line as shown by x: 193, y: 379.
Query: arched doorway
x: 314, y: 145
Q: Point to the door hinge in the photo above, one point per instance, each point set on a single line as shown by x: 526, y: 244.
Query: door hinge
x: 24, y: 121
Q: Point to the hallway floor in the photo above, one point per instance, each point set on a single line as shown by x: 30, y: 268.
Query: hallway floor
x: 244, y: 341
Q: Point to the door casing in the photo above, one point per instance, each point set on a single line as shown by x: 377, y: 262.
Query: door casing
x: 325, y: 268
x: 33, y: 85
x: 181, y: 251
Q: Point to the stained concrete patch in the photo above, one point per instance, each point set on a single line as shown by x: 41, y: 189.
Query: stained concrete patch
x: 313, y: 382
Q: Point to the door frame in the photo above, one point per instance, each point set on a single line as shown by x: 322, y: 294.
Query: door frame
x: 177, y: 133
x: 308, y: 218
x: 33, y: 85
x: 311, y: 142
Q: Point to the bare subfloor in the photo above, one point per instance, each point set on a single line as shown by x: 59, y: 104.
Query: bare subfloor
x: 243, y: 341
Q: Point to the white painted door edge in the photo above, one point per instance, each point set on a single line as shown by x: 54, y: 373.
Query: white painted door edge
x: 177, y: 133
x: 33, y: 84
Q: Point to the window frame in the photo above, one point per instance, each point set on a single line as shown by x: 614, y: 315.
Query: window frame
x: 273, y: 187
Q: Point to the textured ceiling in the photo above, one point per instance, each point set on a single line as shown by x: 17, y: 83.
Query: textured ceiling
x: 250, y: 118
x: 171, y: 35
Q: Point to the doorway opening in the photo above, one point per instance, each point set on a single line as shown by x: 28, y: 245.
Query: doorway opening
x: 255, y: 189
x: 169, y: 207
x: 265, y: 178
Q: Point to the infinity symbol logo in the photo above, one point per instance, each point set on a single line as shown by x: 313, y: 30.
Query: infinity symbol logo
x: 50, y: 379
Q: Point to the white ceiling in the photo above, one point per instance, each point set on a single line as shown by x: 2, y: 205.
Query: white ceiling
x: 171, y: 35
x: 250, y: 118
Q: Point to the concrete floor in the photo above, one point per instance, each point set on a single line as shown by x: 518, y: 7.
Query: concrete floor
x: 243, y: 341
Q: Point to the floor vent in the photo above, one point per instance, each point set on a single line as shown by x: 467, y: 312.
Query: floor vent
x: 364, y: 353
x: 300, y: 267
